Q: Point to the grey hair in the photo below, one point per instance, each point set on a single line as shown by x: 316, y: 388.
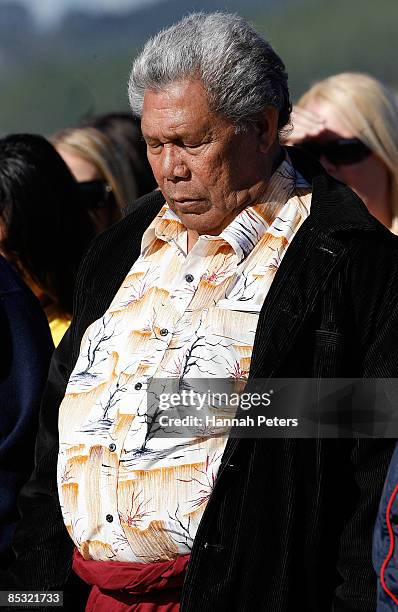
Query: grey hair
x: 240, y: 71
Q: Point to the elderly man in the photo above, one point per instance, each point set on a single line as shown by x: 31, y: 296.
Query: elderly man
x: 248, y: 262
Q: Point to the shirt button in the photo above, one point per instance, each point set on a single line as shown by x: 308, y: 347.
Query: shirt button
x: 164, y: 332
x: 189, y: 278
x: 138, y: 386
x: 109, y: 518
x: 112, y: 447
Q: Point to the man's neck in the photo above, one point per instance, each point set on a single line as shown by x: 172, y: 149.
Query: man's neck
x: 192, y: 238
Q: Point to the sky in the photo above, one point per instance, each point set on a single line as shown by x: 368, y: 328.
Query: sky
x: 49, y: 11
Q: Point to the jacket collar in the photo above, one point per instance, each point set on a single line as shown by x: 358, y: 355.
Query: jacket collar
x: 310, y: 261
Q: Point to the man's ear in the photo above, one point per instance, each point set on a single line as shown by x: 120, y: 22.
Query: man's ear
x: 266, y: 127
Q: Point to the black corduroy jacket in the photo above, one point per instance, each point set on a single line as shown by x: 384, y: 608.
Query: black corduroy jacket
x: 289, y: 523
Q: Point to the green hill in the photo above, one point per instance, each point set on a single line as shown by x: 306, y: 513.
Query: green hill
x: 320, y: 38
x: 59, y: 78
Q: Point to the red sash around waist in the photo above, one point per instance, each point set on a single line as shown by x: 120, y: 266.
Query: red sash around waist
x: 132, y: 587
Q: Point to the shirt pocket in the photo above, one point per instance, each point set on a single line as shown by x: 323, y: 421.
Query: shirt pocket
x: 230, y: 333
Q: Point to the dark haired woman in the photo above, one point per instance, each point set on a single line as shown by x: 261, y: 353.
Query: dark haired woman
x: 44, y: 228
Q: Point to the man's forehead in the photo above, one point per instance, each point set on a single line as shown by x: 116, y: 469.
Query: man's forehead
x: 180, y: 105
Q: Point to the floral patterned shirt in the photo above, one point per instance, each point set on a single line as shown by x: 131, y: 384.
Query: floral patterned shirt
x: 125, y: 494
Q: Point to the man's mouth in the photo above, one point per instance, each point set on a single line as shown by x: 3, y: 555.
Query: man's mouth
x: 184, y: 200
x: 190, y: 205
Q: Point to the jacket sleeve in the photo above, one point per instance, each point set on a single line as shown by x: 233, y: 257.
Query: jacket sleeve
x: 374, y: 296
x: 42, y: 545
x: 25, y: 352
x: 385, y: 542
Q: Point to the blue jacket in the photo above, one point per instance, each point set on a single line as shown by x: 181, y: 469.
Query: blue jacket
x: 25, y: 352
x: 385, y: 542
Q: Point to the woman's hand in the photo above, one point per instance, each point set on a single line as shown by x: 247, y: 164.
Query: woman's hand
x: 305, y: 124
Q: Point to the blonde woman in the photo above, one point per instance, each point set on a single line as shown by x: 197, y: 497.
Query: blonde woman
x: 350, y: 122
x: 102, y: 170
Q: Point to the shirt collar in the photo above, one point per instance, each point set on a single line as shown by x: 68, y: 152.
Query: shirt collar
x: 250, y: 225
x: 167, y: 227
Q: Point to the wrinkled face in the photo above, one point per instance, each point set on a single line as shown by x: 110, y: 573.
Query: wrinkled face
x: 206, y: 171
x: 365, y: 176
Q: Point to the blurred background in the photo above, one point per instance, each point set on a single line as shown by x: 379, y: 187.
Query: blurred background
x: 61, y: 60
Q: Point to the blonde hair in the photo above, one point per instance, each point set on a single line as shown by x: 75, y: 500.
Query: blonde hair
x: 95, y: 147
x: 369, y: 110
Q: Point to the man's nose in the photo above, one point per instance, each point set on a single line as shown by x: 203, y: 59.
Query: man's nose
x: 174, y: 166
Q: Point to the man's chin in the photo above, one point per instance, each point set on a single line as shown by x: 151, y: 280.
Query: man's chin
x: 199, y: 216
x: 201, y: 223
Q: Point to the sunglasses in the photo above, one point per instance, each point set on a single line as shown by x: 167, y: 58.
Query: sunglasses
x: 341, y: 152
x: 95, y: 194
